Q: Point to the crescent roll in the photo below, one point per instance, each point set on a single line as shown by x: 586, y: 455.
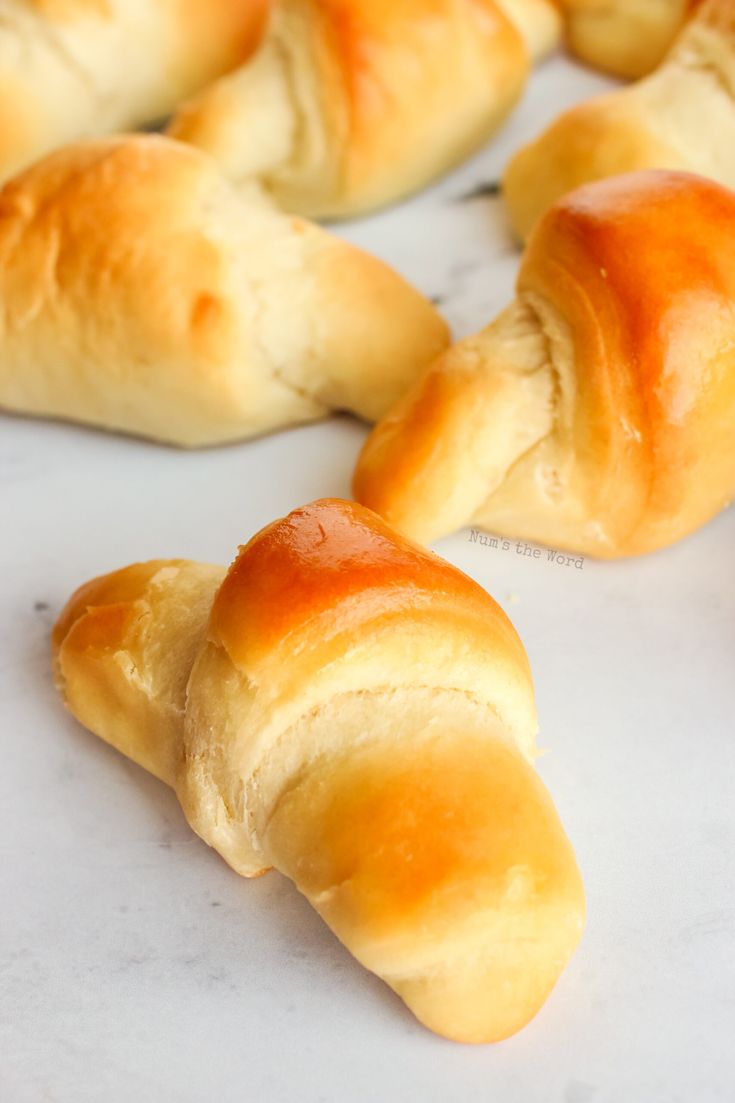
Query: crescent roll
x: 352, y: 104
x: 72, y: 69
x: 141, y: 293
x: 597, y: 413
x: 628, y: 38
x: 349, y: 709
x: 681, y: 117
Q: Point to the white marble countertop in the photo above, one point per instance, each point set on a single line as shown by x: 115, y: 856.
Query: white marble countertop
x: 136, y: 966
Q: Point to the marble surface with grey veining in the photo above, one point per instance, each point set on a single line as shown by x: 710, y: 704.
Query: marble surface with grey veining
x: 134, y: 965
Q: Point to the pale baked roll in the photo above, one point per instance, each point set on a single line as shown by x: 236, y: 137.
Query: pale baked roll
x: 73, y: 69
x: 597, y: 413
x: 350, y: 709
x: 628, y: 38
x: 352, y: 104
x: 539, y: 22
x: 680, y: 117
x: 141, y: 293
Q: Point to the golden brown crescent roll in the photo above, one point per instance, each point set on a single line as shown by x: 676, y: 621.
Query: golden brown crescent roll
x: 140, y: 292
x: 625, y: 37
x: 350, y: 104
x: 73, y: 69
x: 597, y: 413
x: 348, y: 708
x: 681, y: 117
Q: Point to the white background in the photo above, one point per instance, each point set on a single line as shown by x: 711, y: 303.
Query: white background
x: 134, y: 965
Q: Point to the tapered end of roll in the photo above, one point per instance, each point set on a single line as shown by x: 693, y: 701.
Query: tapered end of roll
x: 123, y: 648
x: 605, y: 137
x: 443, y: 867
x: 382, y: 332
x: 408, y: 470
x: 256, y: 100
x: 451, y: 440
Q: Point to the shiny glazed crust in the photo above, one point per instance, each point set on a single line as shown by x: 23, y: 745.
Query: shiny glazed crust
x: 596, y: 414
x: 350, y: 709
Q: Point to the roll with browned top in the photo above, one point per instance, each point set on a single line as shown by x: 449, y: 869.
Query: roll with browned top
x: 141, y: 293
x: 349, y: 709
x: 352, y: 104
x: 597, y: 413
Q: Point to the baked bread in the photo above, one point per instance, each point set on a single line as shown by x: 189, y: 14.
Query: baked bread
x: 539, y: 22
x: 627, y: 38
x: 597, y: 413
x: 350, y: 709
x: 72, y: 69
x: 141, y: 293
x: 680, y: 117
x: 352, y: 104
